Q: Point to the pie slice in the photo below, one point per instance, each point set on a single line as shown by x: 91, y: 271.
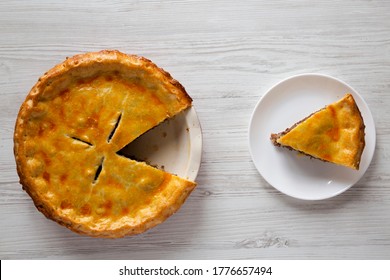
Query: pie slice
x: 333, y: 134
x: 68, y: 133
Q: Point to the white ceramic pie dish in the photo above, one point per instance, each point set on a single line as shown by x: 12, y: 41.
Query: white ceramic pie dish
x: 174, y: 146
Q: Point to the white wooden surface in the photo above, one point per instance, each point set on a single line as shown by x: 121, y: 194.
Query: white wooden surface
x: 226, y: 54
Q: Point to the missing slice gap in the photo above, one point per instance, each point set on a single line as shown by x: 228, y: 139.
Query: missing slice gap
x: 135, y: 149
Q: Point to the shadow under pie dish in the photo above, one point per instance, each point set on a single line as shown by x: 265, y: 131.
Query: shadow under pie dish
x: 68, y: 133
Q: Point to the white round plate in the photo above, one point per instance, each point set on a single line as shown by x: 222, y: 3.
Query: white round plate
x: 174, y: 145
x: 295, y: 175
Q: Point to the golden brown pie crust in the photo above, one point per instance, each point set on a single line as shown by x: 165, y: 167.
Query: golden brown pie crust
x: 334, y: 134
x: 68, y: 132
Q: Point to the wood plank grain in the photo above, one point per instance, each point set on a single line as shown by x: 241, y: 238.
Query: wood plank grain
x: 227, y: 54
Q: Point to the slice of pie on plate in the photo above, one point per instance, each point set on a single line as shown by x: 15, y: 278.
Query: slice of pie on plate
x: 69, y: 131
x: 333, y: 134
